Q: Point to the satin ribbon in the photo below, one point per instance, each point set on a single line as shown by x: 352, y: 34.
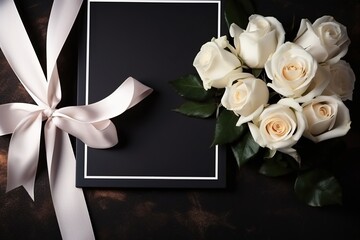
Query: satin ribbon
x: 90, y: 123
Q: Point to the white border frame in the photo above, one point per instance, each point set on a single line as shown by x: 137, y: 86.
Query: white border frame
x: 86, y: 176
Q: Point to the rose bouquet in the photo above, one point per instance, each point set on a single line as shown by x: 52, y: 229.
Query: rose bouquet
x: 274, y: 99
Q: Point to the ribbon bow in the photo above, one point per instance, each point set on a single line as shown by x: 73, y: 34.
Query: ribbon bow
x: 90, y: 123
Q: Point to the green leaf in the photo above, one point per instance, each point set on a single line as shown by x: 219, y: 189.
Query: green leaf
x: 238, y: 11
x: 191, y: 87
x: 278, y: 165
x: 245, y: 149
x: 257, y: 71
x: 226, y: 130
x: 318, y: 188
x: 198, y: 109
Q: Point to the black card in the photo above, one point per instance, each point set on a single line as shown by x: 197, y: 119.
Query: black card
x: 155, y: 42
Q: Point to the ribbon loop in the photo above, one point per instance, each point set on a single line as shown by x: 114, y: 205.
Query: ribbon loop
x: 12, y: 114
x: 88, y: 133
x: 19, y: 52
x: 128, y: 94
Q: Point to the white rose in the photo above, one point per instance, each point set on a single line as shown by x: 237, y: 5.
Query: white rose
x: 261, y: 38
x: 342, y: 82
x: 317, y: 85
x: 326, y: 117
x: 247, y: 96
x: 279, y: 127
x: 291, y: 70
x: 326, y: 39
x: 213, y: 63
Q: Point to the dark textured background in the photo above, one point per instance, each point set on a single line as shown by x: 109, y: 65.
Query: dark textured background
x: 251, y: 207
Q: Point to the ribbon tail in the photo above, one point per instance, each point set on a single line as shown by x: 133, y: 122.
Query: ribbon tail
x: 24, y: 154
x: 69, y: 202
x: 62, y: 17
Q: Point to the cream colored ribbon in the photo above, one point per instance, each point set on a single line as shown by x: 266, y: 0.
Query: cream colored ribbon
x: 90, y: 123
